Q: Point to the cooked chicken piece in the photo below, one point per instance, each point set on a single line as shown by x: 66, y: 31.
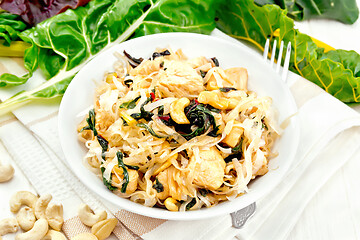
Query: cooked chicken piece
x: 133, y: 177
x: 179, y: 80
x: 172, y: 181
x: 103, y: 120
x: 147, y: 67
x: 209, y: 169
x: 198, y: 62
x: 238, y: 76
x: 259, y: 164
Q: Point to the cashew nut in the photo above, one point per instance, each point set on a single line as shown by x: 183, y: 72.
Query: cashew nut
x: 8, y: 225
x: 26, y: 218
x: 85, y: 236
x: 6, y: 172
x: 54, y: 235
x: 36, y: 233
x: 41, y: 205
x: 171, y: 204
x: 177, y: 110
x: 104, y: 228
x: 54, y: 215
x: 88, y: 217
x: 214, y: 99
x: 22, y: 198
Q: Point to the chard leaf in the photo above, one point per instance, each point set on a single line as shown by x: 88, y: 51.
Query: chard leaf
x: 244, y: 20
x: 158, y: 186
x: 63, y: 44
x: 120, y: 157
x: 106, y: 182
x: 131, y: 104
x: 150, y: 130
x: 345, y: 11
x: 10, y: 26
x: 190, y: 204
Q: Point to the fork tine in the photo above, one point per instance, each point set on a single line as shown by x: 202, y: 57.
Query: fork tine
x: 286, y: 63
x: 266, y: 49
x: 273, y: 53
x: 280, y: 57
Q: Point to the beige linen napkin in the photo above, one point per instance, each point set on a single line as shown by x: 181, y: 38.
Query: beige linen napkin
x: 329, y: 134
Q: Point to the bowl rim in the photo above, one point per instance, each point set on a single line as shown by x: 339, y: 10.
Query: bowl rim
x: 164, y: 214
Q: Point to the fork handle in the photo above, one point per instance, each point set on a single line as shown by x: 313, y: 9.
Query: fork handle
x: 240, y: 217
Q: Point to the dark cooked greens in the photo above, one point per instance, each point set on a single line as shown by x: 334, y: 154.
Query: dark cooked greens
x: 91, y: 122
x: 106, y: 182
x: 345, y: 11
x: 158, y: 186
x: 120, y: 157
x: 150, y: 130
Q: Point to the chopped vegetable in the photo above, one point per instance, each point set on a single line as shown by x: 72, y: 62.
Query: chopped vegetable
x: 131, y: 104
x: 121, y: 164
x: 215, y: 61
x: 134, y: 62
x: 127, y: 118
x: 91, y: 122
x: 158, y: 186
x: 150, y: 130
x: 158, y: 54
x: 106, y: 182
x: 190, y: 204
x: 227, y: 89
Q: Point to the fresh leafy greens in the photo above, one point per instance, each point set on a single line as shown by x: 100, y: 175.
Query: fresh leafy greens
x: 345, y: 11
x: 35, y: 11
x: 10, y: 27
x: 63, y: 44
x: 244, y: 20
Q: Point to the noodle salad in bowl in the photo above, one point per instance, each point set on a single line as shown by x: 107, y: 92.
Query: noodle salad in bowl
x: 178, y: 126
x: 177, y: 133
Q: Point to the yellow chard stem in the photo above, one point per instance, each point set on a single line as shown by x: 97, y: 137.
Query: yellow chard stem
x: 16, y: 49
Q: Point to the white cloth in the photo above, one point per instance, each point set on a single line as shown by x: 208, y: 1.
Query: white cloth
x: 329, y: 137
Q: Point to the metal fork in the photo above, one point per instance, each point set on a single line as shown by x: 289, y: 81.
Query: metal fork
x: 272, y: 59
x: 240, y: 217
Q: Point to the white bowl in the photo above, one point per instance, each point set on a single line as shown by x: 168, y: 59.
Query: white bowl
x: 262, y: 79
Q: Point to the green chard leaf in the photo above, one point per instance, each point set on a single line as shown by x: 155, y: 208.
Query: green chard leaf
x: 345, y: 11
x: 150, y: 130
x: 120, y: 157
x: 10, y: 27
x: 244, y: 20
x: 63, y: 44
x: 158, y: 186
x: 131, y: 104
x: 106, y: 182
x: 190, y: 204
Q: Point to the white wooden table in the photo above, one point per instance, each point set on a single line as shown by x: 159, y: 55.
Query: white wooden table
x: 334, y: 213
